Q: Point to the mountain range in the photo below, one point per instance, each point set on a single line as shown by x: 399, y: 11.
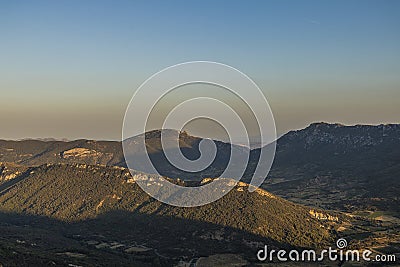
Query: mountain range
x: 354, y: 166
x: 74, y: 203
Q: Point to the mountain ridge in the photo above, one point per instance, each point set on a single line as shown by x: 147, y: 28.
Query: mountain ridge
x: 79, y: 192
x: 79, y: 197
x: 355, y: 160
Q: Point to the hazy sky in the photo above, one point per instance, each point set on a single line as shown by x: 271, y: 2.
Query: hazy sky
x: 69, y: 68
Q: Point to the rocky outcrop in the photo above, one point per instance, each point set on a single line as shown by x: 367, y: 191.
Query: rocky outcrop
x: 323, y: 216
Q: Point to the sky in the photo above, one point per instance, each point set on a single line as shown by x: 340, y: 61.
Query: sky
x: 69, y: 68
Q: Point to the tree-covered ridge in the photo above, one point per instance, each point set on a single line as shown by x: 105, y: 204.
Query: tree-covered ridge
x: 80, y: 192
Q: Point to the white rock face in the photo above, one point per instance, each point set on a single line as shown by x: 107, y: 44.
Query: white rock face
x: 80, y: 153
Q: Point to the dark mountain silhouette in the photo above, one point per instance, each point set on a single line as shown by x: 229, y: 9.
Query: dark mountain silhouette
x: 189, y: 146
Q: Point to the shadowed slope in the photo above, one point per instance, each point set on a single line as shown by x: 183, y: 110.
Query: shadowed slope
x: 79, y: 192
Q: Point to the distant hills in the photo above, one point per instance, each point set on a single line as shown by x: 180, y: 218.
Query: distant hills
x: 36, y: 152
x: 351, y: 166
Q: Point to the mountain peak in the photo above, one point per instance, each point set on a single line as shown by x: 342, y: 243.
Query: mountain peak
x: 325, y: 125
x: 167, y: 132
x: 342, y: 136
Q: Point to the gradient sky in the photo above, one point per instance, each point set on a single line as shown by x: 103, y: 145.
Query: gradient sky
x: 69, y: 68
